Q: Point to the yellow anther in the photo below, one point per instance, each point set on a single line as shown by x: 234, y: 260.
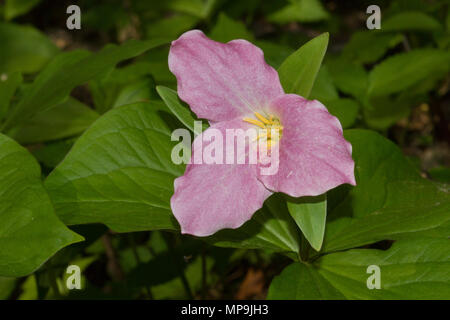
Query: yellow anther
x: 262, y: 118
x: 255, y: 122
x: 268, y: 124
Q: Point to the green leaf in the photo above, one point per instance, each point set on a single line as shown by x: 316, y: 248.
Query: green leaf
x: 7, y: 286
x: 198, y: 8
x: 270, y: 228
x: 7, y: 89
x: 412, y: 20
x: 30, y: 233
x: 298, y: 72
x: 15, y: 8
x: 171, y: 27
x: 416, y: 269
x: 349, y: 77
x: 301, y: 11
x: 139, y: 91
x: 227, y: 29
x: 324, y: 88
x: 384, y: 111
x: 274, y: 53
x: 70, y: 70
x: 302, y: 282
x: 160, y: 68
x: 390, y: 201
x: 23, y: 49
x: 183, y: 114
x: 66, y: 119
x: 51, y: 154
x: 128, y: 190
x: 440, y: 174
x: 410, y: 68
x: 310, y: 214
x: 370, y: 46
x: 345, y: 109
x: 119, y: 86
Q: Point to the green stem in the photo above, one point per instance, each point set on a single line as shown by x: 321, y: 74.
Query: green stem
x: 305, y: 248
x: 147, y: 288
x: 203, y: 271
x: 180, y: 269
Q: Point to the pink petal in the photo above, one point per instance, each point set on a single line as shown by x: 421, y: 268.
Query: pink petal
x: 314, y: 157
x: 211, y: 197
x: 221, y: 81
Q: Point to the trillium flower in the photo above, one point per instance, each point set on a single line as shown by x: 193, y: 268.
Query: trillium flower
x: 232, y: 86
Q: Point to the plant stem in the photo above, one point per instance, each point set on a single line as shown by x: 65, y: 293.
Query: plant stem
x: 113, y: 262
x: 203, y: 271
x: 305, y: 248
x: 148, y: 289
x: 180, y: 269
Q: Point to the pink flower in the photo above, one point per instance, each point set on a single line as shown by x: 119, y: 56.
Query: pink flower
x: 234, y: 88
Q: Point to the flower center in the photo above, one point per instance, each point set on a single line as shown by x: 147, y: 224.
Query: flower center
x: 268, y: 124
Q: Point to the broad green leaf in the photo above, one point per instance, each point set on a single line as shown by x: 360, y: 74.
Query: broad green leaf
x: 168, y: 264
x: 382, y: 112
x: 390, y: 201
x: 170, y: 97
x: 171, y: 27
x: 310, y: 214
x: 119, y: 173
x: 30, y: 232
x: 51, y: 154
x: 299, y: 281
x: 324, y: 88
x: 72, y: 69
x: 119, y: 86
x: 139, y: 91
x: 7, y: 286
x: 66, y: 119
x: 227, y: 29
x: 198, y: 8
x: 8, y: 87
x: 415, y: 269
x: 274, y: 53
x: 270, y: 228
x: 408, y: 5
x: 14, y: 8
x: 104, y: 16
x: 160, y: 68
x: 301, y: 11
x: 411, y: 20
x: 349, y: 77
x: 410, y: 68
x: 447, y: 21
x: 298, y: 72
x: 174, y: 289
x: 370, y: 46
x: 23, y: 49
x: 345, y: 109
x: 440, y: 174
x: 29, y: 289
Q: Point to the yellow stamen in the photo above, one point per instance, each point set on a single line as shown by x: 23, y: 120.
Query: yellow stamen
x: 267, y: 123
x: 262, y: 118
x: 255, y: 122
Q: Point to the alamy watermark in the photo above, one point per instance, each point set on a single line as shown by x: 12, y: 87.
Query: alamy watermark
x: 73, y: 281
x: 230, y: 146
x: 374, y: 20
x: 374, y: 280
x: 74, y: 20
